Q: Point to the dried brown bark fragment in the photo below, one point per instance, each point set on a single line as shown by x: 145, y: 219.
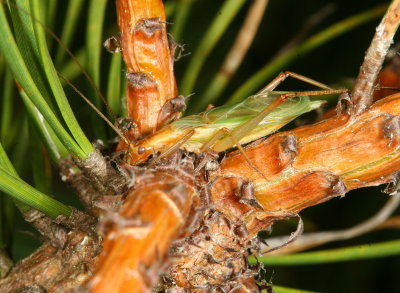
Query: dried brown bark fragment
x: 6, y: 263
x: 214, y: 257
x: 93, y: 177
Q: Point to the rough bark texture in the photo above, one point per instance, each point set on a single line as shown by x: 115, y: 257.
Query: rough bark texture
x: 363, y: 91
x: 329, y: 158
x: 320, y: 161
x: 146, y: 52
x: 51, y: 269
x: 137, y: 238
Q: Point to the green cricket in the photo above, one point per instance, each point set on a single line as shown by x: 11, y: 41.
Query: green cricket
x: 221, y: 128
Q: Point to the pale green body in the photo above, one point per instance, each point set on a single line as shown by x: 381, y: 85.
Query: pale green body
x: 241, y: 123
x: 207, y: 123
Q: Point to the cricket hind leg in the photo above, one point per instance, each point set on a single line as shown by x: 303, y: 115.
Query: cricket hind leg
x: 243, y: 129
x: 282, y: 77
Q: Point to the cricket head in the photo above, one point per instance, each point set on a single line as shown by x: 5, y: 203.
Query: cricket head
x: 161, y: 143
x: 139, y: 154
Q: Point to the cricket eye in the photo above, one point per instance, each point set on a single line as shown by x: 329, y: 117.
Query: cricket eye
x: 141, y: 150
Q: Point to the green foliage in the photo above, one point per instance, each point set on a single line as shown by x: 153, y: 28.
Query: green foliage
x: 389, y: 248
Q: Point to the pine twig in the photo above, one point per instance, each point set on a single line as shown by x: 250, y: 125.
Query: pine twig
x: 149, y: 61
x: 300, y: 168
x: 362, y: 95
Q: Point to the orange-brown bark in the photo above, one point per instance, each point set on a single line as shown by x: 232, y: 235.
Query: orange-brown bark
x: 146, y: 52
x: 327, y: 159
x: 300, y: 168
x: 137, y: 239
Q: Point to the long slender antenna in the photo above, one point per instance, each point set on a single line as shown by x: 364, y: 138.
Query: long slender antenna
x: 120, y: 134
x: 58, y: 40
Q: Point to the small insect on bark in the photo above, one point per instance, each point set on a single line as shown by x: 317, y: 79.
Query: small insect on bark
x: 221, y: 128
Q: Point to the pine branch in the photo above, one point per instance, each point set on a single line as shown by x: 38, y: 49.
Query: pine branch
x: 149, y: 61
x: 362, y: 95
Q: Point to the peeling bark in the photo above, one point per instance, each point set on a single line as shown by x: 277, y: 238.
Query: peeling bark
x: 147, y: 54
x: 333, y: 156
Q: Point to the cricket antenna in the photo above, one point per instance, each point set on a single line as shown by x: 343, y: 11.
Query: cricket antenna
x: 84, y: 72
x: 378, y: 88
x: 120, y: 134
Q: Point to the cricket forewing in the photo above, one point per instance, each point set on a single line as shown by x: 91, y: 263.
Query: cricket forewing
x: 231, y: 116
